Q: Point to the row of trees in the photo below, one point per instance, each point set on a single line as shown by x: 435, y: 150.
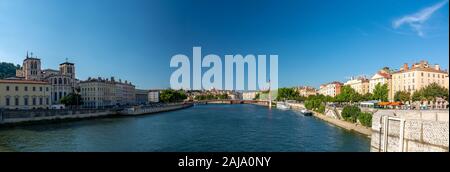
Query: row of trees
x: 428, y: 93
x: 348, y: 94
x: 171, y: 96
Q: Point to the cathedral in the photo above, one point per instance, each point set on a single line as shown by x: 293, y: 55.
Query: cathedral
x: 62, y: 81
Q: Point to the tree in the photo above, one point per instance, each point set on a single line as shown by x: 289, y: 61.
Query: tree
x: 381, y: 92
x: 287, y: 94
x: 72, y: 99
x: 7, y: 70
x: 402, y: 96
x: 170, y: 96
x: 351, y: 113
x: 348, y: 94
x: 365, y: 119
x: 256, y: 96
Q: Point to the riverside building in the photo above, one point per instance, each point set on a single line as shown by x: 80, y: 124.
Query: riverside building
x: 100, y: 92
x: 417, y: 76
x: 62, y: 81
x: 359, y: 84
x: 24, y: 94
x: 331, y: 89
x: 306, y: 91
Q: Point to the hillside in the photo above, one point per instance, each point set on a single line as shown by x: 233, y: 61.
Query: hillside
x: 7, y: 70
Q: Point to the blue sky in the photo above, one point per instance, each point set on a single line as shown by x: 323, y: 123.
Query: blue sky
x: 317, y: 41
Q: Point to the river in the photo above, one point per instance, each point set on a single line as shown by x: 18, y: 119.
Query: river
x: 202, y: 128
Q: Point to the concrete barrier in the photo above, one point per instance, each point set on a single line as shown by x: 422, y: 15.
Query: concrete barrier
x: 410, y: 131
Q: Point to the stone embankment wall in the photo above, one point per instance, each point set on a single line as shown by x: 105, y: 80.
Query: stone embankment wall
x: 410, y: 131
x: 18, y: 116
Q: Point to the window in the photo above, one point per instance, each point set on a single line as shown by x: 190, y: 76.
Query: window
x: 25, y: 88
x: 34, y: 101
x: 7, y: 88
x: 25, y: 101
x: 421, y: 73
x: 17, y: 88
x: 34, y: 88
x: 46, y: 88
x: 40, y: 101
x: 7, y: 101
x: 16, y: 101
x: 46, y: 101
x: 40, y: 89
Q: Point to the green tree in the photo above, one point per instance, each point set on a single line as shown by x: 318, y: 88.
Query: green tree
x: 348, y: 94
x: 72, y: 99
x: 7, y: 70
x: 351, y: 113
x: 287, y: 94
x: 170, y: 96
x: 256, y: 96
x: 381, y: 92
x: 365, y: 119
x: 402, y: 96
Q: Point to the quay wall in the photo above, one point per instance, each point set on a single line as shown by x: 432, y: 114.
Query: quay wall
x: 423, y: 131
x: 20, y: 116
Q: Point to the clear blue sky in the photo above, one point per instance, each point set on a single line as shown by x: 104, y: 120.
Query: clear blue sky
x: 317, y: 41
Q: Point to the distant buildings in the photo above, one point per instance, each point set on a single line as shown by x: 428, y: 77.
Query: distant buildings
x: 249, y: 95
x: 306, y: 91
x: 331, y: 89
x: 102, y: 92
x: 359, y: 84
x: 417, y: 76
x: 24, y: 94
x: 141, y: 96
x: 153, y: 96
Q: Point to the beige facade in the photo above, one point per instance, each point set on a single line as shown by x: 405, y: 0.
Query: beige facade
x: 98, y: 93
x: 417, y: 76
x: 249, y: 95
x: 331, y: 89
x: 382, y: 77
x: 359, y: 84
x: 102, y: 92
x: 306, y: 91
x: 24, y: 94
x: 153, y: 96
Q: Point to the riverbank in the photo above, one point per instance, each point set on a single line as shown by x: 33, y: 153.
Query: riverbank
x: 340, y: 123
x: 344, y: 124
x: 10, y: 118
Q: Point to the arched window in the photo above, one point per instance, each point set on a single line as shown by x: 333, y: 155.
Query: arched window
x: 65, y: 81
x: 55, y: 81
x: 59, y: 81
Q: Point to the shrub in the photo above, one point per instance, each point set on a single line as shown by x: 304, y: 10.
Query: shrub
x: 321, y: 109
x: 365, y: 119
x: 351, y: 113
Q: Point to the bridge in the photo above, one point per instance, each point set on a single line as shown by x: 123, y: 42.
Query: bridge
x: 256, y: 102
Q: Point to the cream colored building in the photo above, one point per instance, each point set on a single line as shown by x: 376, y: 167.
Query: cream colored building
x: 306, y: 91
x: 359, y: 84
x: 417, y: 76
x: 24, y: 94
x: 381, y: 77
x: 331, y: 89
x: 100, y: 92
x: 62, y: 81
x: 249, y: 95
x: 153, y: 96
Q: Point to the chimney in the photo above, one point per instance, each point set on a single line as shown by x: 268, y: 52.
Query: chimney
x: 437, y: 67
x: 405, y: 67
